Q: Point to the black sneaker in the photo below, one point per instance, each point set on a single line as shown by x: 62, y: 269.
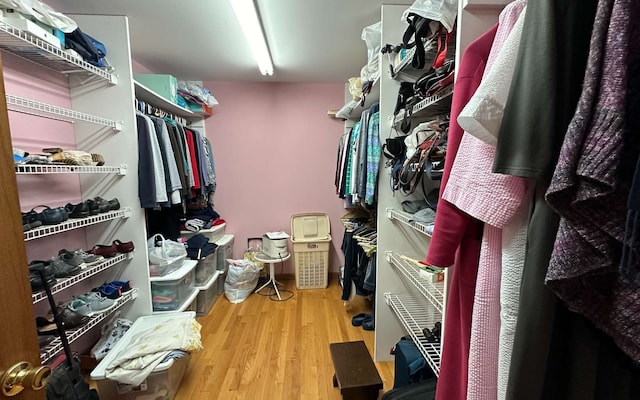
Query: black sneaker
x: 36, y: 279
x: 94, y: 209
x: 80, y: 210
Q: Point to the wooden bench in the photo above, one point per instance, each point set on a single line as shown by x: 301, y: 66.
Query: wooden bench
x: 356, y: 374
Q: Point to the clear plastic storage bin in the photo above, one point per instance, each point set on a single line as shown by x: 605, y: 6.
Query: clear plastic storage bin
x: 164, y: 381
x: 206, y: 267
x: 214, y: 233
x: 208, y: 295
x: 170, y: 292
x: 311, y: 240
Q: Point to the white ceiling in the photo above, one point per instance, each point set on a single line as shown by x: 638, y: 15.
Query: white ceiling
x: 310, y: 40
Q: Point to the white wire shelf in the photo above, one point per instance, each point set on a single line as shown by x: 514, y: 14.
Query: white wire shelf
x: 414, y: 318
x: 70, y: 224
x: 41, y: 52
x: 432, y: 291
x: 145, y: 94
x: 433, y: 106
x: 55, y: 347
x: 86, y: 273
x: 404, y: 217
x: 41, y: 169
x: 47, y: 110
x: 372, y: 97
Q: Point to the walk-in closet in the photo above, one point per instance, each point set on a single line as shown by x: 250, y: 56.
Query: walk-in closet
x: 252, y: 199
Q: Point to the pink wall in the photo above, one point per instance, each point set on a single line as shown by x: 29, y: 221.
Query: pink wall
x: 33, y: 133
x: 275, y: 153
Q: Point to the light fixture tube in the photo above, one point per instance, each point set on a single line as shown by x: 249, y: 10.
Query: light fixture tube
x: 248, y: 18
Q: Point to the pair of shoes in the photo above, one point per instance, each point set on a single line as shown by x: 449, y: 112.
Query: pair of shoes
x: 28, y: 223
x: 100, y: 205
x: 106, y: 251
x: 114, y: 204
x: 114, y: 248
x: 357, y: 320
x: 433, y: 335
x: 80, y: 210
x: 123, y: 247
x: 368, y: 324
x: 113, y: 290
x: 90, y: 304
x: 62, y: 269
x: 80, y: 257
x: 69, y: 318
x: 35, y: 278
x: 48, y: 216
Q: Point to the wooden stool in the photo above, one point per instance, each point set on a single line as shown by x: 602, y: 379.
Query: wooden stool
x: 356, y: 374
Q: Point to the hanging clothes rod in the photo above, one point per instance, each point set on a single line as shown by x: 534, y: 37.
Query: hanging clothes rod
x: 150, y: 109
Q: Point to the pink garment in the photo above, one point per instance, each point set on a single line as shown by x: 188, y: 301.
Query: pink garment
x: 493, y: 199
x: 457, y: 237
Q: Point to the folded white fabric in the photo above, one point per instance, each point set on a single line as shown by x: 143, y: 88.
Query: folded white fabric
x: 148, y: 348
x: 194, y: 225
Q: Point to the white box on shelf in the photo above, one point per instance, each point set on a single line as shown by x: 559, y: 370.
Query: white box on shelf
x: 17, y: 20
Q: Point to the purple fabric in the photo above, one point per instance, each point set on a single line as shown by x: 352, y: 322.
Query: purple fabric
x: 590, y: 186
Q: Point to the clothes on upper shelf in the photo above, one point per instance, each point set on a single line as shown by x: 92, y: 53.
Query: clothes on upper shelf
x: 358, y: 160
x: 176, y: 162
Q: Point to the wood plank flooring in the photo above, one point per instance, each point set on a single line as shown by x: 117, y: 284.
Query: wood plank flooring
x: 263, y: 349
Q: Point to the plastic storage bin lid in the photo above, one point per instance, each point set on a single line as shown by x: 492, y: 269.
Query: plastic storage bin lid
x: 213, y: 229
x: 178, y: 274
x: 225, y: 240
x: 310, y: 227
x: 140, y: 325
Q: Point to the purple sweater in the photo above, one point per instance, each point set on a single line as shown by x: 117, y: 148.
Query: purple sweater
x: 590, y: 185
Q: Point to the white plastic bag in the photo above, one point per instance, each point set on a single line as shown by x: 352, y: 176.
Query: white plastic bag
x: 242, y: 279
x: 164, y: 251
x: 444, y: 11
x: 372, y: 35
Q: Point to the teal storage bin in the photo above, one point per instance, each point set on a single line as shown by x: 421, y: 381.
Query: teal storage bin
x: 163, y: 84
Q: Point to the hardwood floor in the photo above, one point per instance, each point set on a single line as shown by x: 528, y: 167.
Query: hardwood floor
x: 263, y: 349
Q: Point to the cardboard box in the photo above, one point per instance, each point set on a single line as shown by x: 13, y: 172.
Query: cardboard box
x: 163, y: 84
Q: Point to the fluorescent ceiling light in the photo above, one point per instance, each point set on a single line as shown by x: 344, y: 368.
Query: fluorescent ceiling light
x: 248, y: 17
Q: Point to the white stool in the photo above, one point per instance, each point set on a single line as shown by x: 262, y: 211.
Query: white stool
x: 272, y: 270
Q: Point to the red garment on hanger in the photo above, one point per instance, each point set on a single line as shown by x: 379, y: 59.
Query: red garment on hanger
x: 193, y: 161
x: 457, y: 237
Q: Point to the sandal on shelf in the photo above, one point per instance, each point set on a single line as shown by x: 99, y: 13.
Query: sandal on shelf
x: 123, y: 247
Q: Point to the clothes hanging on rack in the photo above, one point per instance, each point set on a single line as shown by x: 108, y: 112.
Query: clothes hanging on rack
x: 493, y: 199
x: 456, y: 237
x: 590, y: 185
x: 179, y: 160
x: 556, y: 353
x: 358, y: 158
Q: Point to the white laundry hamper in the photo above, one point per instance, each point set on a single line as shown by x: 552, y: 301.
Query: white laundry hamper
x: 311, y: 239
